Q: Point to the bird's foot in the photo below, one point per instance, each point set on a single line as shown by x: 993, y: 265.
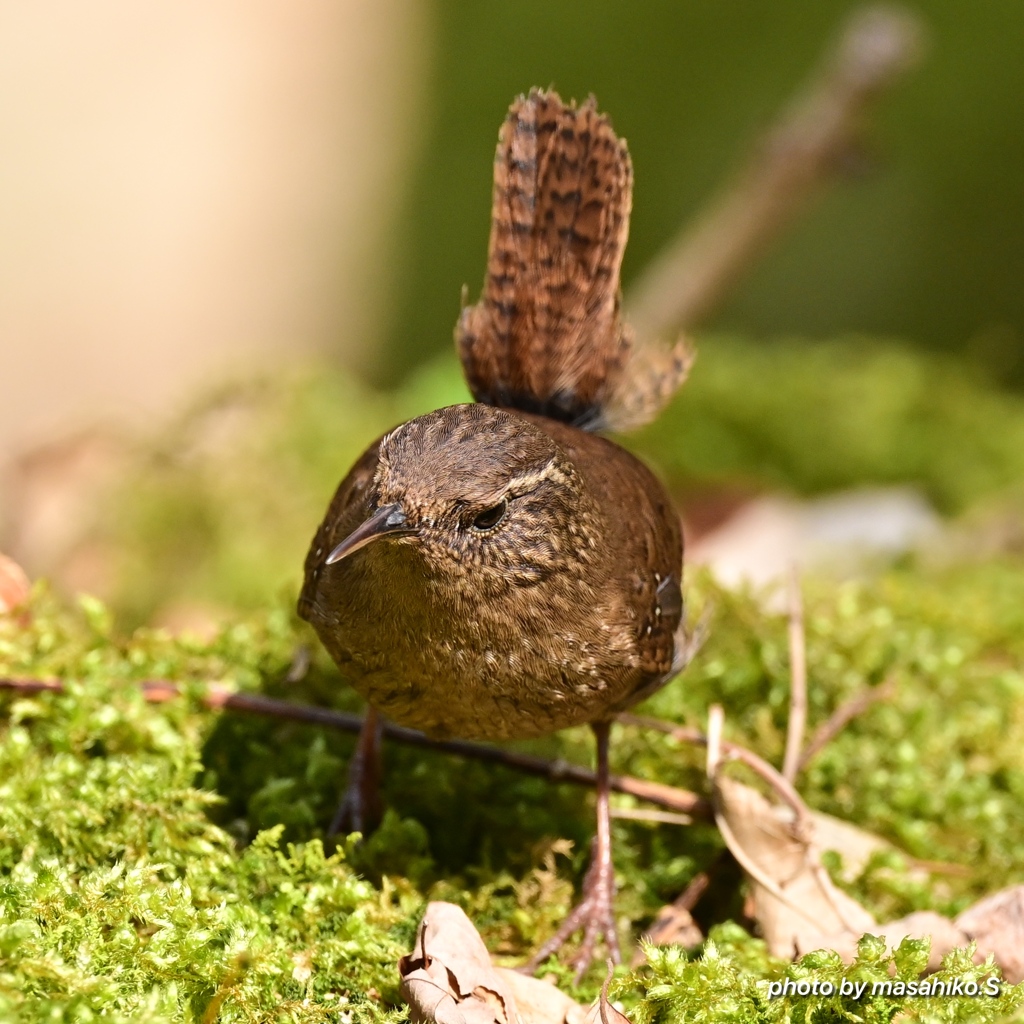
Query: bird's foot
x: 594, y: 914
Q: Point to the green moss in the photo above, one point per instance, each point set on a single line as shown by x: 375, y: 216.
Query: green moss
x: 153, y: 856
x: 732, y: 982
x: 118, y: 895
x: 822, y: 416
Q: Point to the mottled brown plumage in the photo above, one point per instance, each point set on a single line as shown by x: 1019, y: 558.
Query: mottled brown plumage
x: 494, y: 571
x: 546, y: 335
x: 560, y: 614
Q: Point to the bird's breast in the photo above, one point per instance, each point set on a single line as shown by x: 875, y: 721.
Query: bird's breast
x: 511, y: 666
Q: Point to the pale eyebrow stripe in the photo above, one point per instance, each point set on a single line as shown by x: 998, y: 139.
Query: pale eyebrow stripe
x: 528, y: 481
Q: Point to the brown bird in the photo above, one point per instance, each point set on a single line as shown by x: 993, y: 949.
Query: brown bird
x: 497, y: 570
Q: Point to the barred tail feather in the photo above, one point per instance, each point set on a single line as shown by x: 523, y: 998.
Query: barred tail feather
x: 546, y: 335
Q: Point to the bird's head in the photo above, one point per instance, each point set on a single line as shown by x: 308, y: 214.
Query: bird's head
x: 475, y: 492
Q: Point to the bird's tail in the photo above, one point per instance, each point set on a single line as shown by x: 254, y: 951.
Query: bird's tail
x: 546, y: 335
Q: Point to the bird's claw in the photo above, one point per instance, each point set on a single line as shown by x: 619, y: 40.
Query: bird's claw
x: 594, y: 914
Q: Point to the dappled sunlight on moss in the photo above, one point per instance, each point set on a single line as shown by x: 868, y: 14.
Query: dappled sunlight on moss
x: 125, y: 886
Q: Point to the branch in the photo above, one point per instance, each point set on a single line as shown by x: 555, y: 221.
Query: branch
x: 32, y: 685
x: 715, y: 747
x: 218, y: 697
x: 798, y: 680
x: 842, y: 716
x: 800, y: 155
x: 658, y: 817
x: 674, y: 924
x: 720, y: 750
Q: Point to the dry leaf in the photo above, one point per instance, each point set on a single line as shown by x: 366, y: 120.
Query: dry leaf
x: 674, y: 926
x: 925, y: 924
x: 855, y: 845
x: 996, y: 923
x: 799, y: 909
x: 602, y: 1012
x: 53, y: 501
x: 449, y: 979
x: 539, y: 1002
x: 795, y: 902
x: 14, y: 584
x: 197, y: 620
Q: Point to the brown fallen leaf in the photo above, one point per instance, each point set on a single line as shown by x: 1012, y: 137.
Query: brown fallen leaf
x: 855, y: 845
x: 799, y: 909
x: 14, y: 584
x: 925, y: 924
x: 942, y: 933
x: 795, y: 902
x: 602, y: 1012
x: 996, y: 923
x: 198, y: 620
x: 53, y: 507
x: 449, y: 979
x: 539, y: 1002
x: 674, y: 924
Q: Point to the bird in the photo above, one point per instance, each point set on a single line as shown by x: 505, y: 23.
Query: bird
x: 500, y: 569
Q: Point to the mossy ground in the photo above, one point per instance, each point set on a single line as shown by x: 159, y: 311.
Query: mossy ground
x: 165, y: 862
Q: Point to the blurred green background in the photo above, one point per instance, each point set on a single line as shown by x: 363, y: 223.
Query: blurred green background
x: 924, y: 240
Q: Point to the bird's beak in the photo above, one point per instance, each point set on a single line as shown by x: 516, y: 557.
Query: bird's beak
x: 387, y: 521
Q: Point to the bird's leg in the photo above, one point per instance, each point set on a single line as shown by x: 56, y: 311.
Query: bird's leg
x: 359, y: 809
x: 595, y: 911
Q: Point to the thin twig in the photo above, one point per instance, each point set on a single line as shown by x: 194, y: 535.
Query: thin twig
x: 696, y: 887
x: 715, y: 745
x: 802, y: 829
x: 842, y: 716
x: 32, y: 685
x: 603, y: 1000
x: 218, y: 697
x: 713, y: 740
x: 801, y: 154
x: 644, y: 814
x: 234, y: 974
x: 730, y: 751
x: 674, y: 923
x: 798, y: 680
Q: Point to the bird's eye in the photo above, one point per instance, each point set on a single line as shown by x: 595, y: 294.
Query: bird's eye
x: 490, y: 517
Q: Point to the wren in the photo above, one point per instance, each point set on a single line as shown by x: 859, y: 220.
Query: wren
x: 499, y: 570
